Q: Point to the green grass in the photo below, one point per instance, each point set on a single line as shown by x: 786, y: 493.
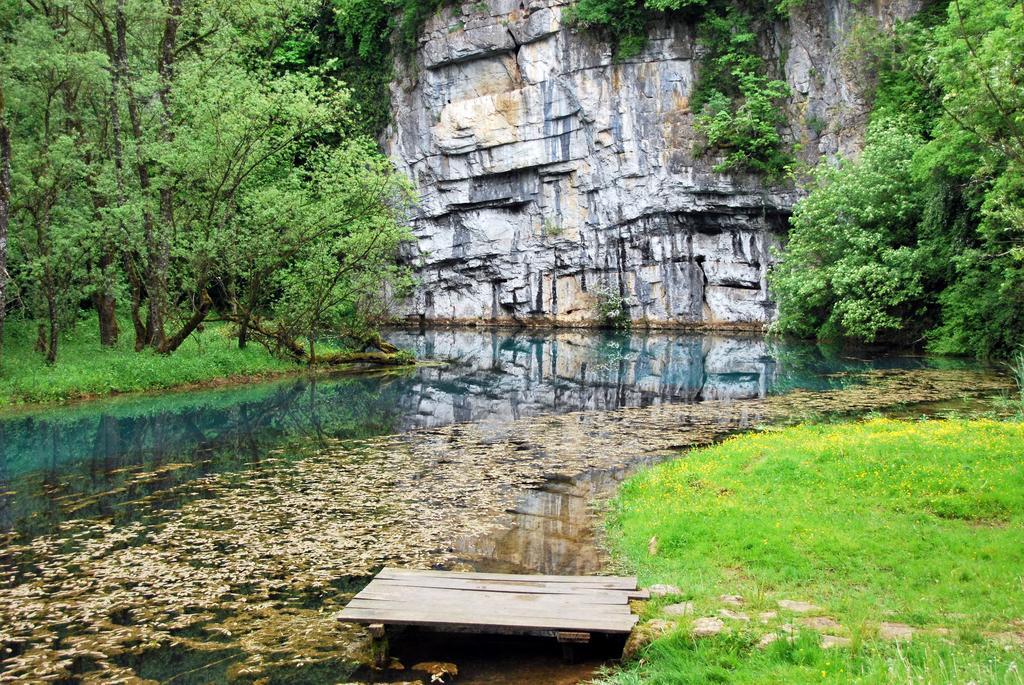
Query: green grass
x: 85, y: 369
x: 914, y: 522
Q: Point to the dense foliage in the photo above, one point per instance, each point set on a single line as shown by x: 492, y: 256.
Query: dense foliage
x: 922, y: 238
x: 363, y: 37
x: 177, y: 162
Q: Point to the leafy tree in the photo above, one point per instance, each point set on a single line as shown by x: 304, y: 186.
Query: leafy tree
x: 936, y: 198
x: 176, y: 156
x: 328, y: 269
x: 51, y: 79
x: 849, y: 269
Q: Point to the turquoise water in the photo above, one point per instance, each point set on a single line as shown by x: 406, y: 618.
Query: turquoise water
x: 218, y: 530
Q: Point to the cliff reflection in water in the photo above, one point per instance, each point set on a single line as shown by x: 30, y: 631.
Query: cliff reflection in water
x: 497, y: 375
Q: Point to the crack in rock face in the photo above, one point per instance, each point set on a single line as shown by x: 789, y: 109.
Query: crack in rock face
x: 550, y: 172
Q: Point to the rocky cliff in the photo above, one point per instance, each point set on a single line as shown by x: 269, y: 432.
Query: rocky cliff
x: 552, y: 176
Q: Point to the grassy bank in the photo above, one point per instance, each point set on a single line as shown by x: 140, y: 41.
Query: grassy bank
x: 891, y: 529
x: 84, y: 369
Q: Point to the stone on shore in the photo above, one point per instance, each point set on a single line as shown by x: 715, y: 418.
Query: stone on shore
x: 831, y: 641
x: 678, y: 609
x: 707, y: 627
x: 819, y: 622
x: 895, y: 631
x: 733, y: 615
x: 798, y: 607
x: 643, y: 635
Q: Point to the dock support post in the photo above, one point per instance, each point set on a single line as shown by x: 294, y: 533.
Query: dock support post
x: 378, y: 644
x: 569, y: 640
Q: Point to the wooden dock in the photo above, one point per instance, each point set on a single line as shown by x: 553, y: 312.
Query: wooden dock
x: 569, y: 608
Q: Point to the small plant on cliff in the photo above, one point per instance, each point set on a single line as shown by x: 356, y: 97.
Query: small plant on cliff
x: 552, y: 229
x: 746, y: 130
x: 612, y: 308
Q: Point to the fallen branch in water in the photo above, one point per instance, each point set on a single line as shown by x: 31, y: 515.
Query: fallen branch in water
x: 280, y: 341
x: 383, y: 358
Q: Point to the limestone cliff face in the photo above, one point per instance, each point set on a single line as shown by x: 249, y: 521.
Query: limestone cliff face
x: 551, y: 174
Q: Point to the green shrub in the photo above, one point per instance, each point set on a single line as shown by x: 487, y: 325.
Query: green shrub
x: 612, y: 308
x: 1017, y: 370
x: 746, y: 130
x: 552, y: 229
x: 849, y: 269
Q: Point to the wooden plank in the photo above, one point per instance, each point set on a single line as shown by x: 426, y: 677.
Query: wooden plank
x: 406, y: 594
x: 607, y: 582
x: 383, y: 589
x: 494, y: 586
x: 481, y: 616
x: 403, y: 593
x: 491, y: 608
x: 511, y: 580
x: 412, y: 616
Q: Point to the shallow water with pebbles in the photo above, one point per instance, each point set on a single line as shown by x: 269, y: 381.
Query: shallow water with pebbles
x: 170, y: 570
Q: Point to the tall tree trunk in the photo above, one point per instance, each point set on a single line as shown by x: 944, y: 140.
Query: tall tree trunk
x: 52, y: 313
x: 106, y: 303
x: 5, y: 209
x: 243, y: 331
x: 160, y: 259
x: 106, y: 312
x: 248, y: 309
x: 136, y: 304
x: 48, y: 285
x: 155, y: 287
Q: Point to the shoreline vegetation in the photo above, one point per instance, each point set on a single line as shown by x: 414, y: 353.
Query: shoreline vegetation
x: 210, y: 358
x: 873, y: 551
